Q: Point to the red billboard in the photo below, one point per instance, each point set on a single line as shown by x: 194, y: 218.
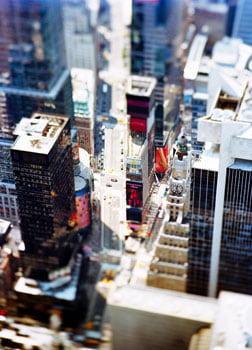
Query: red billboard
x: 134, y: 194
x: 161, y: 159
x: 137, y: 124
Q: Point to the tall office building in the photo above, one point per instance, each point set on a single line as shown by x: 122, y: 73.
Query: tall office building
x: 213, y: 17
x: 83, y: 82
x: 44, y: 178
x: 33, y: 71
x: 154, y: 35
x: 242, y: 21
x: 168, y: 268
x: 140, y: 159
x: 221, y: 220
x: 33, y: 74
x: 80, y: 35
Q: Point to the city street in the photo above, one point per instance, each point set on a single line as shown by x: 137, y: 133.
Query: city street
x: 110, y: 184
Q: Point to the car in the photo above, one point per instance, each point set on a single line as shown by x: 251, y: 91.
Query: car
x: 114, y: 180
x: 121, y: 167
x: 108, y: 185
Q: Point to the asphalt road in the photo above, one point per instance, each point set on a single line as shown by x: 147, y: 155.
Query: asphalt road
x: 110, y: 183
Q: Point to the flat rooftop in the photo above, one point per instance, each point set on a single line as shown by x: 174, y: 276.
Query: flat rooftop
x: 209, y: 159
x: 4, y: 225
x: 194, y: 57
x: 83, y: 84
x: 39, y: 133
x: 233, y: 327
x: 141, y: 86
x: 164, y: 302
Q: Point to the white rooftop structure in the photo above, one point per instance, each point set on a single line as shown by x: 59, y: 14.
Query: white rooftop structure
x: 4, y: 225
x: 233, y: 327
x: 194, y: 57
x: 81, y: 79
x: 231, y: 52
x: 164, y: 302
x: 141, y: 86
x: 39, y: 133
x: 229, y: 125
x: 150, y: 318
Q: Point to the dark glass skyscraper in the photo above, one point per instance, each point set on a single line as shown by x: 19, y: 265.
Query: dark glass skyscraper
x: 33, y: 75
x: 44, y: 178
x: 154, y: 36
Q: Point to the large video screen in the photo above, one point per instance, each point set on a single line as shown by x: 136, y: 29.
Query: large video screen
x: 134, y: 194
x: 134, y: 215
x: 137, y: 124
x: 161, y: 159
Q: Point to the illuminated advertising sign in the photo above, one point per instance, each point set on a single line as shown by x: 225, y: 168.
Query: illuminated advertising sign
x: 82, y: 205
x: 138, y: 106
x: 134, y: 167
x: 161, y: 159
x: 137, y: 124
x: 134, y: 194
x: 134, y: 215
x: 134, y: 227
x: 151, y: 150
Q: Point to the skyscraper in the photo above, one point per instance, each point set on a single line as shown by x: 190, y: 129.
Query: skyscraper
x: 242, y: 21
x: 44, y: 178
x: 80, y: 35
x: 140, y: 159
x: 221, y: 221
x: 33, y: 71
x: 33, y: 74
x: 154, y: 33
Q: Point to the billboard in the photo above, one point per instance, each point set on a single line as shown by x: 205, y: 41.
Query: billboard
x: 133, y: 167
x: 137, y: 124
x: 134, y: 194
x: 82, y: 205
x: 151, y: 150
x: 161, y: 159
x: 134, y: 215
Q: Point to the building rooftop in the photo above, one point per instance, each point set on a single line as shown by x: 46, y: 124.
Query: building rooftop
x: 39, y: 133
x: 194, y: 57
x: 164, y: 302
x: 231, y: 52
x: 209, y: 159
x: 66, y: 292
x: 233, y: 327
x: 141, y: 86
x: 212, y: 7
x: 83, y: 84
x: 4, y: 226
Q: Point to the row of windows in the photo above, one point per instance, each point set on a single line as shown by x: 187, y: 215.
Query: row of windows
x: 7, y: 201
